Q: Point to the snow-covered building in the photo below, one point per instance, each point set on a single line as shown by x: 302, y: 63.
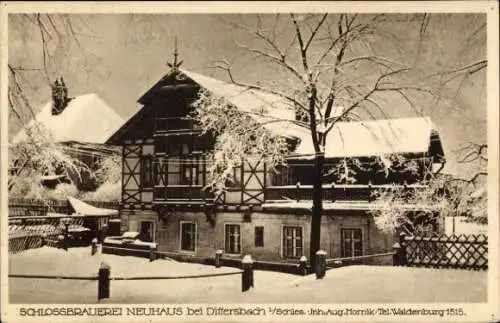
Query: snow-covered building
x: 266, y: 214
x: 83, y: 123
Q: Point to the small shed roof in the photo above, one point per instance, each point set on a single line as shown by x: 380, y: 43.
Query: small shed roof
x: 87, y: 118
x: 83, y: 208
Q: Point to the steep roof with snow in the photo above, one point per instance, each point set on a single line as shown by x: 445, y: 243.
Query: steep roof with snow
x: 87, y: 119
x: 346, y: 139
x: 378, y: 137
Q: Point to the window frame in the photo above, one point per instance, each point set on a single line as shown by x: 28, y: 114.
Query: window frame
x: 181, y: 223
x: 283, y: 249
x: 259, y: 243
x: 353, y: 249
x: 153, y: 229
x: 226, y: 225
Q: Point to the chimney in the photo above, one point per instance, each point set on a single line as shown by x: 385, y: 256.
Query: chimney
x: 60, y: 98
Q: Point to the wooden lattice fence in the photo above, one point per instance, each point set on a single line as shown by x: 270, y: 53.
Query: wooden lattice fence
x: 447, y: 251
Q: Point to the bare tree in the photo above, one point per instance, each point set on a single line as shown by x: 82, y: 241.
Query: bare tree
x: 37, y: 154
x: 337, y: 68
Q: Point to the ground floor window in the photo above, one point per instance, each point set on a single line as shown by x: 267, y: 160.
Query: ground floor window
x: 233, y: 238
x: 146, y: 232
x: 352, y: 242
x: 259, y: 236
x: 292, y: 242
x: 188, y: 236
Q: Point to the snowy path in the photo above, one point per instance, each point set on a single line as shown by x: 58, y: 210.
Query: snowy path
x: 355, y: 284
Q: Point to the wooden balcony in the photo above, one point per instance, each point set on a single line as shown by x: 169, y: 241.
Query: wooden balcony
x: 347, y: 192
x: 183, y: 194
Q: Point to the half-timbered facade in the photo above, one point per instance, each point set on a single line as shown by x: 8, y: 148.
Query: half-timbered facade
x: 262, y: 212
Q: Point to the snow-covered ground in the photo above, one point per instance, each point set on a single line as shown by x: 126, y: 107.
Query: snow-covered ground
x: 355, y: 284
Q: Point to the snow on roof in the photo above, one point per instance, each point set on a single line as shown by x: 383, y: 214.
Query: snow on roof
x: 261, y: 105
x: 346, y: 139
x: 375, y: 138
x: 87, y: 209
x: 87, y: 118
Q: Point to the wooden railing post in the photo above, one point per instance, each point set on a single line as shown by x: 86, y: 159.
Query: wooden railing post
x: 400, y: 258
x: 320, y: 264
x: 44, y: 239
x: 152, y: 252
x: 66, y: 235
x: 303, y: 265
x: 218, y: 256
x: 247, y: 274
x: 395, y: 257
x: 103, y: 281
x: 298, y: 192
x: 61, y: 242
x: 402, y: 242
x: 93, y: 247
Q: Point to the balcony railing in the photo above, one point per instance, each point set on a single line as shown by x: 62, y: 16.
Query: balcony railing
x: 361, y: 193
x: 333, y: 192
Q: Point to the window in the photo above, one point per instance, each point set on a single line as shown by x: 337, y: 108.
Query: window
x: 189, y: 175
x: 147, y: 176
x: 233, y: 238
x: 292, y: 242
x: 352, y: 242
x: 146, y: 232
x: 259, y: 236
x: 188, y: 236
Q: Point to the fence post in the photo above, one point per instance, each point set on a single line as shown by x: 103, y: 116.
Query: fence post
x: 152, y: 252
x: 93, y: 247
x: 103, y: 283
x: 320, y: 264
x: 247, y: 274
x: 60, y: 242
x: 402, y: 258
x: 397, y: 251
x: 43, y: 238
x: 303, y: 265
x: 218, y: 255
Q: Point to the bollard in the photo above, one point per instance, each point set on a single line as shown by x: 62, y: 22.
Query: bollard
x: 93, y: 247
x: 303, y: 265
x: 247, y: 275
x: 320, y: 264
x: 152, y: 252
x: 395, y: 257
x: 402, y: 259
x: 66, y: 235
x: 61, y: 242
x: 218, y: 256
x: 103, y: 283
x: 44, y: 239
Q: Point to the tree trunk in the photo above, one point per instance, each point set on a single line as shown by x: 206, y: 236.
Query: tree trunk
x: 317, y: 208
